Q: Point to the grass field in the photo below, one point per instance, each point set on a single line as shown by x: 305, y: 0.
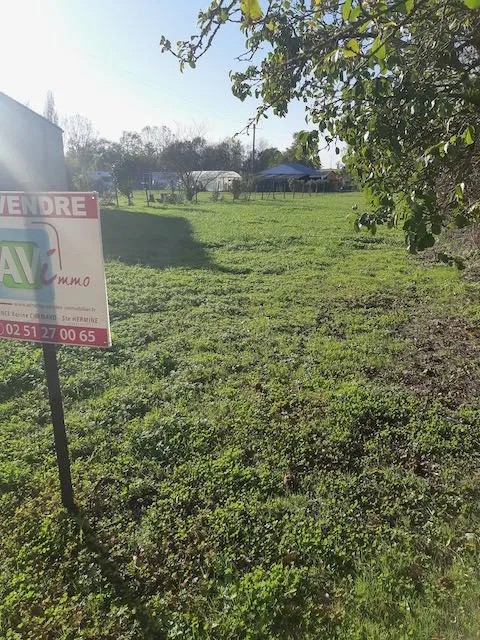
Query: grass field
x: 283, y: 441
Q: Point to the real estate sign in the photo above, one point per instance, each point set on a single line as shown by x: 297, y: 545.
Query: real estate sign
x: 52, y: 278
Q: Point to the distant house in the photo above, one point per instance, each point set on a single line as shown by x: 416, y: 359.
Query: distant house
x: 102, y: 181
x: 329, y: 175
x: 31, y: 150
x: 215, y: 180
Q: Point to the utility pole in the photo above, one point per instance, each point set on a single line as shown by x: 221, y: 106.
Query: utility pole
x: 253, y: 149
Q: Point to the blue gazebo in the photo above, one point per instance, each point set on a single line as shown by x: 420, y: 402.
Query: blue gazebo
x: 292, y: 170
x: 277, y: 178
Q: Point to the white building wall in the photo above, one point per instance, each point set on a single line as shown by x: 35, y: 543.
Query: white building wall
x: 31, y: 150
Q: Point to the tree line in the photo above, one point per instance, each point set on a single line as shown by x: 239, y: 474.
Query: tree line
x: 160, y: 148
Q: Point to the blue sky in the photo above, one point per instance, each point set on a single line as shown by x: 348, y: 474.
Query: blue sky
x: 101, y: 59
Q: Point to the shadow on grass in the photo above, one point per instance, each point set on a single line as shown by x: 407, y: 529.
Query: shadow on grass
x: 125, y: 590
x: 158, y: 241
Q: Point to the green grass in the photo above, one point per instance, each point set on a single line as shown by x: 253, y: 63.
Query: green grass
x: 283, y: 441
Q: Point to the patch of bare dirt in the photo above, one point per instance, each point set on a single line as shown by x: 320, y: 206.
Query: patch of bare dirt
x: 442, y: 360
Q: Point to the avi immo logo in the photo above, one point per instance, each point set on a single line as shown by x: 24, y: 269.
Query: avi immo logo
x: 21, y: 265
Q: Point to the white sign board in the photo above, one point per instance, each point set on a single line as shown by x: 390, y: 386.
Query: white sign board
x: 52, y: 277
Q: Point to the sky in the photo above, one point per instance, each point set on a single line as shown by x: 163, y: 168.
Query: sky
x: 101, y: 59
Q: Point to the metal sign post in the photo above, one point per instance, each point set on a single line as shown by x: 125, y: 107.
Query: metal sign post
x: 58, y: 421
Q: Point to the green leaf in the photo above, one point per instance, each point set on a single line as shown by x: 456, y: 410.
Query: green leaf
x: 472, y: 4
x: 346, y: 8
x: 461, y: 221
x: 378, y: 49
x: 469, y: 135
x: 409, y: 6
x: 353, y: 45
x: 365, y: 25
x: 425, y: 241
x: 223, y: 16
x: 354, y: 13
x: 251, y: 10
